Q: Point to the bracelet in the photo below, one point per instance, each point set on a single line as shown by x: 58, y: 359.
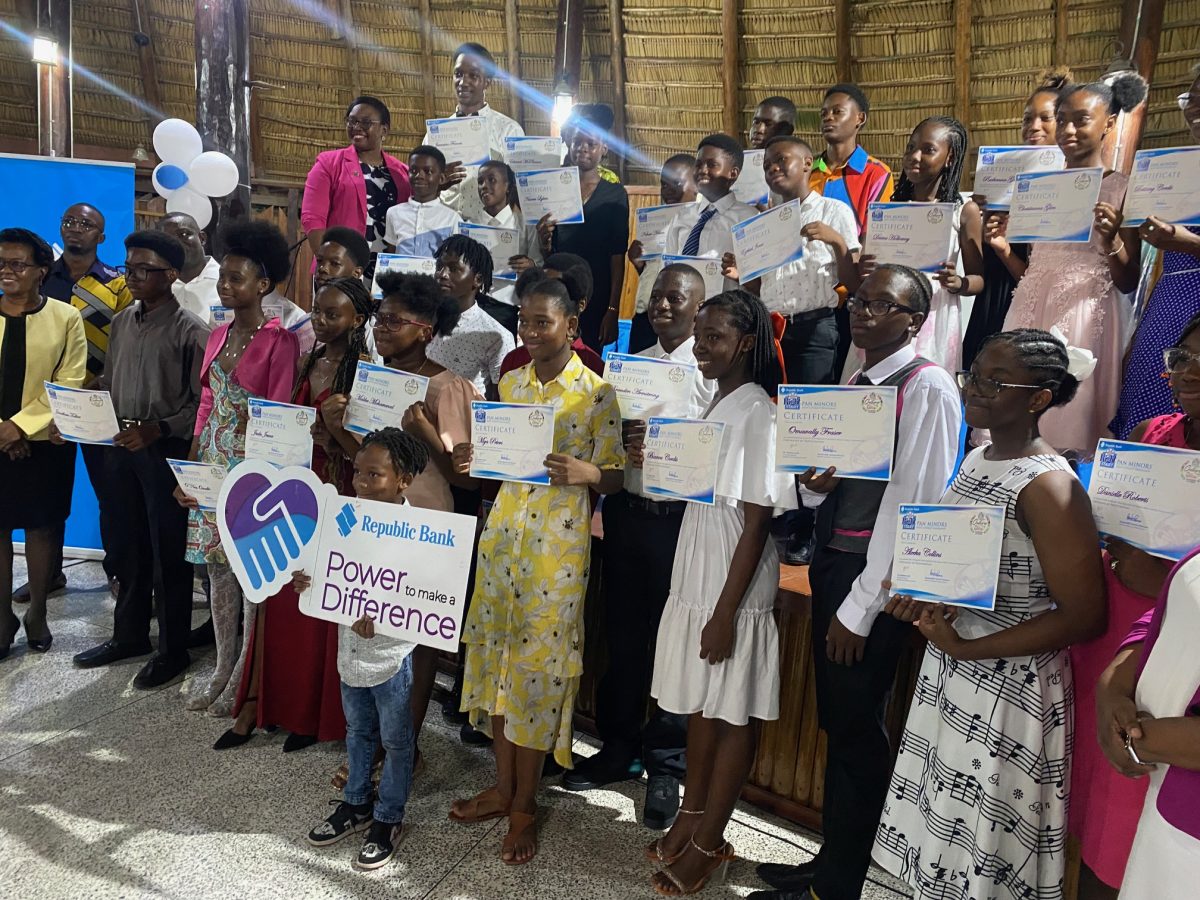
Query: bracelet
x: 1117, y: 249
x: 613, y: 309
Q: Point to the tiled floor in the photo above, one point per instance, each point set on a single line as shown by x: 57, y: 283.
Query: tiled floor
x: 107, y: 791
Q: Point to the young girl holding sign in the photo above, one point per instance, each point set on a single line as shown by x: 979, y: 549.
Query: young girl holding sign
x: 376, y: 679
x: 523, y: 630
x: 717, y: 657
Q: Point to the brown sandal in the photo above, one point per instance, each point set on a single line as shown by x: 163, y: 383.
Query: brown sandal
x: 518, y: 824
x: 668, y: 884
x: 470, y: 818
x: 654, y: 850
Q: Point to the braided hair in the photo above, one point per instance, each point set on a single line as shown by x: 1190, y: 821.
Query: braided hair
x: 511, y: 197
x: 919, y: 291
x: 409, y: 455
x: 477, y: 257
x: 948, y: 185
x: 751, y: 317
x: 1045, y: 357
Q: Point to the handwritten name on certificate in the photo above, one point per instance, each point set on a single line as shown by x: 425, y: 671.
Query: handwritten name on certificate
x: 200, y: 480
x: 850, y: 427
x: 680, y: 459
x: 532, y: 152
x: 380, y: 397
x: 83, y: 417
x: 552, y: 192
x: 918, y: 235
x: 652, y: 225
x: 511, y: 441
x: 280, y: 433
x: 709, y: 268
x: 1147, y: 496
x: 1165, y: 183
x: 1054, y: 207
x: 949, y: 554
x: 502, y: 243
x: 767, y: 241
x: 649, y: 387
x: 998, y: 167
x: 751, y: 186
x: 398, y: 262
x: 462, y: 139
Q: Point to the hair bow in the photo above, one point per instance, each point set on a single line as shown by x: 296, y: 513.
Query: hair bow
x: 1080, y: 361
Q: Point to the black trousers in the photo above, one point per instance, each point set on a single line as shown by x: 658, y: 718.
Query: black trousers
x: 809, y: 345
x: 93, y: 459
x: 842, y: 318
x: 147, y: 542
x: 851, y: 701
x: 639, y: 552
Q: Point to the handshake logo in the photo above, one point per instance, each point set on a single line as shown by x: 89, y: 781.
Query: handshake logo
x: 346, y: 520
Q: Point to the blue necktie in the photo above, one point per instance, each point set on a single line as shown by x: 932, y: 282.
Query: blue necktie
x: 691, y: 247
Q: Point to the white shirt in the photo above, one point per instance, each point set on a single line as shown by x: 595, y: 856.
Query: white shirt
x: 291, y: 316
x: 527, y: 245
x: 717, y: 237
x: 418, y: 229
x: 926, y: 448
x: 475, y: 349
x: 199, y: 295
x: 811, y: 282
x: 464, y: 196
x: 703, y: 391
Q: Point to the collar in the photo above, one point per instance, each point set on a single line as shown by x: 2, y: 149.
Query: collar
x: 436, y: 201
x: 564, y: 379
x: 722, y: 204
x: 505, y: 220
x: 856, y: 163
x: 813, y: 199
x: 893, y: 364
x: 165, y: 310
x: 210, y: 272
x: 682, y: 353
x: 98, y: 270
x: 484, y: 112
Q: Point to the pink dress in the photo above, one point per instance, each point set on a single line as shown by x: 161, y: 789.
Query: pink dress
x: 1069, y: 286
x: 1105, y: 805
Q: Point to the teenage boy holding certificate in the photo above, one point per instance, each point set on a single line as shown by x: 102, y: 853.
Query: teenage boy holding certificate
x: 640, y: 534
x: 855, y: 647
x: 153, y: 373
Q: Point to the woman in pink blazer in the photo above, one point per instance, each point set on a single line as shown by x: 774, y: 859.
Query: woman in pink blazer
x: 356, y: 185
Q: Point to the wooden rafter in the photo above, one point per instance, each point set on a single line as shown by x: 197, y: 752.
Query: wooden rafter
x: 730, y: 117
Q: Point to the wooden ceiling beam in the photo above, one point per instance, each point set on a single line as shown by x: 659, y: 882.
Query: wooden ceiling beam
x: 1141, y: 34
x: 151, y: 88
x: 512, y: 34
x: 841, y: 27
x: 962, y: 61
x: 1061, y: 31
x: 426, y: 12
x: 350, y: 39
x: 730, y: 116
x: 616, y: 13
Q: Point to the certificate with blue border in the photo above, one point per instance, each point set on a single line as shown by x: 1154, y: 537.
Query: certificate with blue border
x: 948, y: 554
x: 511, y: 441
x: 918, y: 235
x: 553, y: 192
x: 767, y: 241
x: 1054, y: 207
x: 680, y: 459
x: 1165, y: 183
x: 997, y: 168
x: 280, y: 433
x: 850, y: 427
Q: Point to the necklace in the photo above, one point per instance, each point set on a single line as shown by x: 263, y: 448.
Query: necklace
x: 236, y: 352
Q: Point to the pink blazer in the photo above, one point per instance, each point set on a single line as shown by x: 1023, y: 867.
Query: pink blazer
x: 267, y: 368
x: 334, y: 192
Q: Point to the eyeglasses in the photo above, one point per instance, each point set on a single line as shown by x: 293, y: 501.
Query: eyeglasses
x: 364, y: 124
x: 16, y: 266
x: 81, y: 224
x: 1176, y: 359
x: 395, y: 323
x: 989, y: 388
x: 139, y: 273
x: 875, y: 308
x: 1184, y: 99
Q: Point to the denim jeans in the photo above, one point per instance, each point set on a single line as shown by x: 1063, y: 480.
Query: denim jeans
x: 372, y: 714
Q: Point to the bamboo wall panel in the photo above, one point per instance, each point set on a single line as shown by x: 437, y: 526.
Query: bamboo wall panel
x: 1178, y: 53
x: 18, y: 74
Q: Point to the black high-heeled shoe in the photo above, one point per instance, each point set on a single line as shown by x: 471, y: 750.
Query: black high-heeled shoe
x: 37, y: 645
x: 6, y: 646
x: 231, y: 739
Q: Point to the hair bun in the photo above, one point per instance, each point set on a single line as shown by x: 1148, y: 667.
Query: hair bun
x: 1128, y: 91
x: 1065, y: 392
x: 1054, y: 80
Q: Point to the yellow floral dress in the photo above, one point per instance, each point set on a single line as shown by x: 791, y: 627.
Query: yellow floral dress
x: 524, y: 631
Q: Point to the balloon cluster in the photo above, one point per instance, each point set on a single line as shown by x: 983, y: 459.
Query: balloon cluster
x: 188, y: 176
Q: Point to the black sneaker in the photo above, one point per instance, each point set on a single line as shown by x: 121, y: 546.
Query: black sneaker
x: 472, y: 736
x: 345, y: 820
x: 786, y: 877
x: 662, y: 802
x: 379, y: 847
x: 601, y: 769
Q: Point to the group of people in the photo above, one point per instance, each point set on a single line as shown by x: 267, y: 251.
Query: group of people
x: 1025, y: 724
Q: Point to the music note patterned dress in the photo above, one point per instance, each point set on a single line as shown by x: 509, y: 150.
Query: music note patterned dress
x: 977, y: 807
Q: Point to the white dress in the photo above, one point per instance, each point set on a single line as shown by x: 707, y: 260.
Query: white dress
x: 746, y: 685
x: 977, y: 806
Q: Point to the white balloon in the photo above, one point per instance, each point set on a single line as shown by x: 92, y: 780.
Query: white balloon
x: 185, y: 200
x: 177, y: 141
x: 214, y: 174
x: 172, y: 172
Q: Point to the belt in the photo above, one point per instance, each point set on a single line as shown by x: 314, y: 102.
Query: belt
x: 660, y: 508
x: 811, y: 316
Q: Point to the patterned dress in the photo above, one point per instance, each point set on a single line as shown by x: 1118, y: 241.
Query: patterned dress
x: 223, y: 441
x: 381, y: 196
x: 977, y: 807
x: 524, y: 631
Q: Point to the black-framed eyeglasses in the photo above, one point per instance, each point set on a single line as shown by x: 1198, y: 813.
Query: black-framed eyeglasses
x: 875, y: 308
x: 16, y: 266
x: 364, y: 124
x: 394, y: 323
x: 989, y: 388
x: 139, y: 272
x: 81, y: 224
x: 1176, y: 359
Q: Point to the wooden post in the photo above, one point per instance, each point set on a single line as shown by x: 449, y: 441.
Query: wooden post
x: 841, y: 28
x: 149, y: 68
x: 962, y: 61
x: 346, y: 14
x: 1141, y: 32
x: 1061, y: 32
x: 568, y: 47
x: 223, y: 96
x: 55, y: 125
x: 513, y: 38
x: 730, y: 114
x: 427, y: 56
x: 616, y: 12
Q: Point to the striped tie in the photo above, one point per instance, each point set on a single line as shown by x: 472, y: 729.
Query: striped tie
x: 691, y: 247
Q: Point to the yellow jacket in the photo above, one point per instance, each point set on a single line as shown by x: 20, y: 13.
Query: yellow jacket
x: 56, y: 351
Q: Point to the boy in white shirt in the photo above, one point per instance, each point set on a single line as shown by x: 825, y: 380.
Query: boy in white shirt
x: 418, y: 226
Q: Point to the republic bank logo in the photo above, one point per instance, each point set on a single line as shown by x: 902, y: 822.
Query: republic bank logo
x: 346, y: 520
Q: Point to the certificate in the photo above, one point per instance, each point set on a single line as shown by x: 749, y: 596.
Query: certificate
x: 767, y: 241
x: 751, y: 186
x: 398, y: 262
x: 529, y: 152
x: 502, y: 243
x: 649, y: 387
x: 200, y: 480
x: 948, y: 554
x: 552, y: 192
x: 680, y: 459
x: 1055, y: 207
x: 918, y: 235
x: 280, y: 432
x: 998, y: 167
x: 1147, y: 496
x: 1165, y: 183
x: 219, y: 315
x: 462, y: 139
x: 652, y: 225
x: 380, y: 396
x: 83, y: 417
x: 511, y: 441
x: 709, y: 268
x: 850, y: 427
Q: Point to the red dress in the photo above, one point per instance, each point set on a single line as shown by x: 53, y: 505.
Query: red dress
x: 300, y: 690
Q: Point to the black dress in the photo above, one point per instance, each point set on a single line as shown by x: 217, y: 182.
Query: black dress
x: 992, y: 303
x: 603, y: 235
x: 35, y: 492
